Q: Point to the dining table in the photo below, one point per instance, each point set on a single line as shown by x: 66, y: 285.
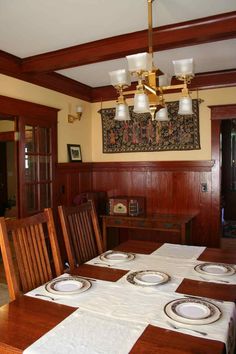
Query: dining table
x: 118, y: 313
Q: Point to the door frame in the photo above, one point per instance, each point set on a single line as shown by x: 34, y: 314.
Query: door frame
x: 27, y: 111
x: 218, y: 113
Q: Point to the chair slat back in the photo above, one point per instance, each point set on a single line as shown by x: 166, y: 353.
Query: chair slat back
x: 30, y: 251
x: 81, y: 232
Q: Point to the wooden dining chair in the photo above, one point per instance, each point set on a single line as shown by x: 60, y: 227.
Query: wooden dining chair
x: 81, y: 232
x: 30, y: 252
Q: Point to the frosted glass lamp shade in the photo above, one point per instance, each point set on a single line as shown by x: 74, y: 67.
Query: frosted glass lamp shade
x: 120, y: 77
x: 140, y: 62
x: 183, y: 67
x: 164, y: 80
x: 141, y: 103
x: 122, y: 112
x: 162, y: 115
x: 185, y: 106
x: 79, y: 109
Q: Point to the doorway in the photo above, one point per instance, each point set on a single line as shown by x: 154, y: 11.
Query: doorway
x: 36, y: 131
x: 228, y: 178
x: 219, y: 114
x: 8, y: 168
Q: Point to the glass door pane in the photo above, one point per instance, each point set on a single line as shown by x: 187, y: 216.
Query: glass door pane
x: 38, y: 167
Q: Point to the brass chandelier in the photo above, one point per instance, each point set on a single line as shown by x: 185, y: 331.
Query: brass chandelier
x: 152, y: 83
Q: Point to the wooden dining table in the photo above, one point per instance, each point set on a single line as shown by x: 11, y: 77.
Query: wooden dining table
x: 26, y: 319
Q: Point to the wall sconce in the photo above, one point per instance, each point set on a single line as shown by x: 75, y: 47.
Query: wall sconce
x: 78, y: 115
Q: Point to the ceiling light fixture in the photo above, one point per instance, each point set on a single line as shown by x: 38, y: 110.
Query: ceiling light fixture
x: 152, y: 83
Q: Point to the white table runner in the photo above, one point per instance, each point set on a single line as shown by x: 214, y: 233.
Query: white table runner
x: 179, y: 251
x: 142, y: 262
x: 89, y: 333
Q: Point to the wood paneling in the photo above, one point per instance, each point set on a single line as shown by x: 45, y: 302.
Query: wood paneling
x: 72, y: 179
x: 171, y: 187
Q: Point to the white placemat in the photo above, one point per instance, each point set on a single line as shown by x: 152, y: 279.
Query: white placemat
x: 179, y: 251
x: 88, y: 333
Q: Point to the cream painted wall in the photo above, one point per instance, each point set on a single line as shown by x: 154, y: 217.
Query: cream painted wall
x: 77, y: 133
x: 88, y: 131
x: 210, y: 97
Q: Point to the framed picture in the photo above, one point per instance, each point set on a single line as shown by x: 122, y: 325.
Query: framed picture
x: 74, y: 152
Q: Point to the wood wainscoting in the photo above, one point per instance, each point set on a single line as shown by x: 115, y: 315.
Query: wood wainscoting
x: 182, y: 187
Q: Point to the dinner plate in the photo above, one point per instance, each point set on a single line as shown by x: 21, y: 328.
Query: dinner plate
x: 68, y: 286
x: 192, y: 311
x: 147, y: 278
x: 116, y: 256
x: 218, y: 269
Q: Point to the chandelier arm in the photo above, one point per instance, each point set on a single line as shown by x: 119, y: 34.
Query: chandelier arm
x: 129, y: 92
x: 151, y: 89
x: 172, y: 87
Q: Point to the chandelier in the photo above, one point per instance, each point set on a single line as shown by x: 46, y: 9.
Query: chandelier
x: 152, y: 83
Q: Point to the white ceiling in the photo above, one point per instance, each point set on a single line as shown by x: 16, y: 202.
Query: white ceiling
x: 30, y: 27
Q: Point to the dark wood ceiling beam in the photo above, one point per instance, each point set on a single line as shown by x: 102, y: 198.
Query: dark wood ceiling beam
x: 208, y: 29
x: 9, y: 63
x: 60, y: 83
x: 202, y: 81
x: 215, y: 79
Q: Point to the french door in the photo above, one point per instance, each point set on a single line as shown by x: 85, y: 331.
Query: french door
x: 37, y: 153
x: 37, y: 160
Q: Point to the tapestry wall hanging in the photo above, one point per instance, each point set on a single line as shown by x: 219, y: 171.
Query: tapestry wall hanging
x: 141, y: 134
